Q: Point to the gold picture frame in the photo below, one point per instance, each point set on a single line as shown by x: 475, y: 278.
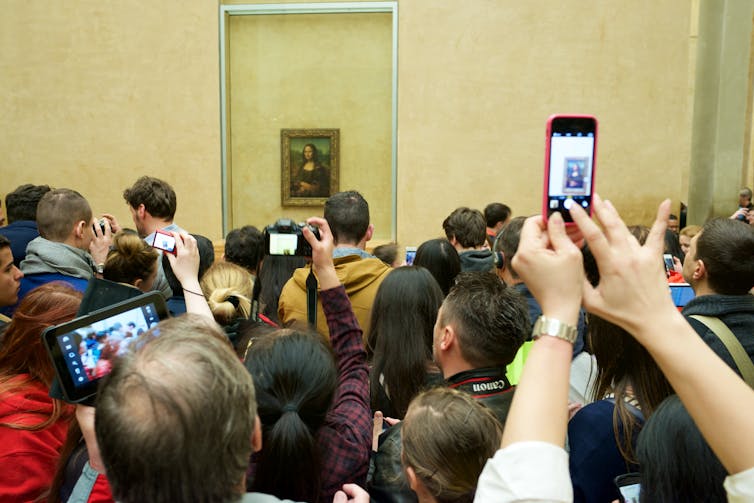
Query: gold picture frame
x: 309, y: 165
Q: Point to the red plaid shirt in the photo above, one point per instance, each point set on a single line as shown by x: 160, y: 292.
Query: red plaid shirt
x: 346, y: 437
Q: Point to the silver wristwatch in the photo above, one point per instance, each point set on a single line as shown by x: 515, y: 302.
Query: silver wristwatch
x: 554, y: 328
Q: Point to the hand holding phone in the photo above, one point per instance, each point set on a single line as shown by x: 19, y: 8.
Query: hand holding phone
x: 570, y: 154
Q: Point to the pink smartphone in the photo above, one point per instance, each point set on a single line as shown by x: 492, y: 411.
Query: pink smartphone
x: 570, y: 155
x: 164, y: 241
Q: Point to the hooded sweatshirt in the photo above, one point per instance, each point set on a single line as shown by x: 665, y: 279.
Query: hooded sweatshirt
x: 48, y: 261
x: 28, y: 458
x: 361, y: 278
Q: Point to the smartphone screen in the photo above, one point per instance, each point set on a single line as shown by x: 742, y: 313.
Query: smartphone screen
x: 164, y: 241
x: 569, y: 164
x: 629, y: 487
x: 410, y: 255
x: 669, y: 265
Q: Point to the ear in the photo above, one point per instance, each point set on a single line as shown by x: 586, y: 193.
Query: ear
x: 138, y: 282
x: 370, y: 231
x: 141, y: 211
x: 700, y: 270
x: 447, y: 338
x: 80, y: 228
x: 413, y: 481
x: 256, y: 437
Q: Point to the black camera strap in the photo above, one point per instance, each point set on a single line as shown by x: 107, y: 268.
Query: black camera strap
x: 254, y: 315
x: 311, y: 299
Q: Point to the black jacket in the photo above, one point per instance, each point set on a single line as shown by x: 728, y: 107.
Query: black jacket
x: 388, y: 483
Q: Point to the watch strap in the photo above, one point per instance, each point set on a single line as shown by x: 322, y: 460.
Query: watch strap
x: 554, y: 328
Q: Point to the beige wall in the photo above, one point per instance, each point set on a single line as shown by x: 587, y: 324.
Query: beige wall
x: 94, y: 94
x: 309, y: 71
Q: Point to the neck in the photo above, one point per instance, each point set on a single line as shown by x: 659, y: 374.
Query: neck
x: 702, y: 289
x: 157, y: 223
x: 453, y: 366
x: 361, y: 245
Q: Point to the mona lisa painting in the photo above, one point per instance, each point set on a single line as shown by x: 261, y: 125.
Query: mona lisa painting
x: 309, y: 165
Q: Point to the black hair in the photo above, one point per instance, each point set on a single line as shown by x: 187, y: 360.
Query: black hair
x: 243, y: 246
x: 347, y: 214
x: 675, y: 462
x: 206, y: 258
x: 495, y: 213
x: 441, y: 259
x: 400, y: 334
x: 157, y: 196
x: 274, y: 273
x: 673, y: 245
x: 295, y: 378
x: 507, y: 241
x: 491, y: 319
x: 725, y: 246
x: 21, y: 204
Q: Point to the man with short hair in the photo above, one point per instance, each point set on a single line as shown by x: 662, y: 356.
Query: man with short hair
x: 496, y: 215
x: 68, y: 247
x: 176, y: 420
x: 465, y: 228
x: 347, y: 214
x: 480, y: 326
x: 744, y: 212
x: 21, y: 210
x: 153, y: 204
x: 244, y: 247
x: 720, y: 268
x: 10, y: 279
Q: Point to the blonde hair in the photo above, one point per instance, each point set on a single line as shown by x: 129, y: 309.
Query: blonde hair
x: 447, y: 438
x: 690, y: 230
x: 129, y: 259
x: 227, y: 288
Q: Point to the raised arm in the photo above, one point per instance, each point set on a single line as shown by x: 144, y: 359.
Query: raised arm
x: 185, y: 265
x: 633, y: 294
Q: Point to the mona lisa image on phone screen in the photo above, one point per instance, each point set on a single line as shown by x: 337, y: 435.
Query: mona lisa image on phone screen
x: 570, y: 153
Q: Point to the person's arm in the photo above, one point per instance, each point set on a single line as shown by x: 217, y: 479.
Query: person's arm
x: 632, y: 293
x: 349, y: 419
x: 551, y: 267
x: 185, y: 265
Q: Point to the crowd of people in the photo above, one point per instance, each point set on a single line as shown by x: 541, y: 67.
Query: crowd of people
x: 516, y: 359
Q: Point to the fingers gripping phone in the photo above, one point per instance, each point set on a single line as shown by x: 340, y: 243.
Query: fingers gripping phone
x: 164, y: 241
x: 570, y: 154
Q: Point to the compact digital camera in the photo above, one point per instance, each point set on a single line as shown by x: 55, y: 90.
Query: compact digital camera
x: 285, y: 237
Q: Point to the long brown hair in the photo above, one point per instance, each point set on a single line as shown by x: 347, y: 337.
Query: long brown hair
x: 23, y: 359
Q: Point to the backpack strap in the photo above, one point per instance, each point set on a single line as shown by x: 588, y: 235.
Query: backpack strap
x: 732, y: 344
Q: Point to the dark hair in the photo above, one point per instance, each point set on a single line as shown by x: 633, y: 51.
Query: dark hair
x: 206, y: 259
x: 495, y: 213
x: 23, y: 360
x: 175, y: 416
x: 507, y: 241
x: 21, y: 204
x: 491, y: 319
x: 467, y: 226
x: 274, y: 273
x: 400, y: 334
x: 347, y: 213
x: 673, y: 245
x: 623, y: 363
x: 675, y: 461
x: 129, y: 258
x: 295, y: 378
x: 725, y: 246
x: 244, y: 247
x: 387, y: 253
x: 157, y: 196
x: 441, y: 259
x: 4, y: 242
x: 58, y: 211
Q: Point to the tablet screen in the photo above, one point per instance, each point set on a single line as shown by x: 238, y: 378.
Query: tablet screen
x: 83, y: 350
